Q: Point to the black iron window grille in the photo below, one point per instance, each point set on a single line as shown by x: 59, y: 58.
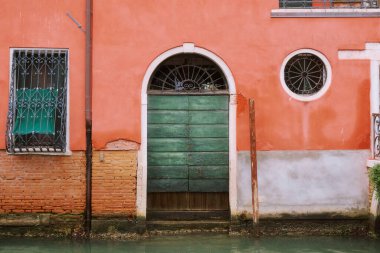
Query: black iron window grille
x: 38, y: 101
x: 305, y: 74
x: 188, y: 73
x: 329, y: 4
x: 376, y: 135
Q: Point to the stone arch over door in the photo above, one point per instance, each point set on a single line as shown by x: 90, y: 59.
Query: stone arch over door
x: 190, y: 48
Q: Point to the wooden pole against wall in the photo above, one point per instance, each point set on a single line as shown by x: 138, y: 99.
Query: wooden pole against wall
x: 252, y: 130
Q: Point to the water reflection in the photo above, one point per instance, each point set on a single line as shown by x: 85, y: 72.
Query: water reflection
x: 195, y: 244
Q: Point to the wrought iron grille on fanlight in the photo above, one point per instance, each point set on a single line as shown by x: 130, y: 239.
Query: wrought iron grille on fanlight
x: 187, y: 73
x: 38, y: 101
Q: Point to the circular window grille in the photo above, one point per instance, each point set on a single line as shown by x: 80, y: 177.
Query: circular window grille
x: 188, y: 73
x: 305, y: 75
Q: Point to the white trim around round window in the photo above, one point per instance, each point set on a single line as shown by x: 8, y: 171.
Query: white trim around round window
x: 326, y: 81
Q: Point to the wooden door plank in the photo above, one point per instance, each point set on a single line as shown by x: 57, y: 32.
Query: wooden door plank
x: 168, y: 117
x: 254, y: 185
x: 168, y: 185
x: 188, y: 144
x: 208, y: 200
x: 168, y: 172
x: 167, y: 131
x: 168, y: 144
x: 168, y: 103
x: 208, y: 172
x: 208, y: 117
x: 205, y: 185
x: 208, y: 131
x: 189, y: 215
x: 167, y: 201
x: 208, y: 103
x: 208, y: 158
x: 187, y: 201
x: 208, y: 144
x: 167, y: 158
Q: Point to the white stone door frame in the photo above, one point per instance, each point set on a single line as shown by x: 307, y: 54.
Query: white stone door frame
x: 371, y: 53
x: 141, y: 200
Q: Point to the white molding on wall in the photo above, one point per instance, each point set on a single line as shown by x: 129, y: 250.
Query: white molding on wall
x: 372, y: 53
x: 326, y: 13
x: 142, y: 156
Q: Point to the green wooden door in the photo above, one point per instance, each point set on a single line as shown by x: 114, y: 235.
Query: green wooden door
x: 188, y: 144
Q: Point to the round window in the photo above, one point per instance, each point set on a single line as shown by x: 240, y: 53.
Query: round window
x: 305, y: 74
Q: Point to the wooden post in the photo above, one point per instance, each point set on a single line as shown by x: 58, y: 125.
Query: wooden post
x: 252, y: 131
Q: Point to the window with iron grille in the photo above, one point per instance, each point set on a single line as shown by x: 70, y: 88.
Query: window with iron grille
x: 295, y: 3
x: 38, y: 101
x: 305, y: 74
x: 329, y: 3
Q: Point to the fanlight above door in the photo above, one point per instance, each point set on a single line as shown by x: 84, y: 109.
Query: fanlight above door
x: 188, y: 73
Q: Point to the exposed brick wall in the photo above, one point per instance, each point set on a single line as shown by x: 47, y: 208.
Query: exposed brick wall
x: 42, y: 184
x: 57, y: 184
x: 114, y: 183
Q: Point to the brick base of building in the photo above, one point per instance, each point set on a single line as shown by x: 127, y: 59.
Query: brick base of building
x: 114, y: 183
x: 42, y: 183
x: 42, y: 194
x: 47, y: 193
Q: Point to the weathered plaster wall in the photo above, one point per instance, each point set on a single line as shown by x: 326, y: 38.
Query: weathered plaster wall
x: 306, y: 182
x: 253, y: 45
x: 45, y: 24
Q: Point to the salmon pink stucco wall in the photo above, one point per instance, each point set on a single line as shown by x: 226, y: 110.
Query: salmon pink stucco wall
x: 44, y: 24
x: 129, y: 35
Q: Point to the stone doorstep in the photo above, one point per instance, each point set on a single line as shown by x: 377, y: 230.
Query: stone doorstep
x: 190, y: 225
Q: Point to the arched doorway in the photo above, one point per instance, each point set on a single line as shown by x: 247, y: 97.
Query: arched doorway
x: 187, y: 162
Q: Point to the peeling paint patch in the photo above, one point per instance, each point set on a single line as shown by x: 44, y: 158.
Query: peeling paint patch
x: 122, y: 145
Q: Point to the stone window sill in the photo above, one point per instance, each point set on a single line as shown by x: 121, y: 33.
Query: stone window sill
x: 372, y: 162
x: 325, y: 13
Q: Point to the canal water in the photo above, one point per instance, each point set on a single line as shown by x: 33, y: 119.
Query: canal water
x: 195, y: 244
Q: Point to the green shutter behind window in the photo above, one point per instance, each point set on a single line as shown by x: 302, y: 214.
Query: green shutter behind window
x: 188, y: 144
x: 35, y: 111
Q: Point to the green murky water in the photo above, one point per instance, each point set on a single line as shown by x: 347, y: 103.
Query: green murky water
x: 198, y: 244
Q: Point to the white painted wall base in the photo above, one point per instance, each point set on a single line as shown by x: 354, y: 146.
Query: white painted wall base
x: 306, y: 183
